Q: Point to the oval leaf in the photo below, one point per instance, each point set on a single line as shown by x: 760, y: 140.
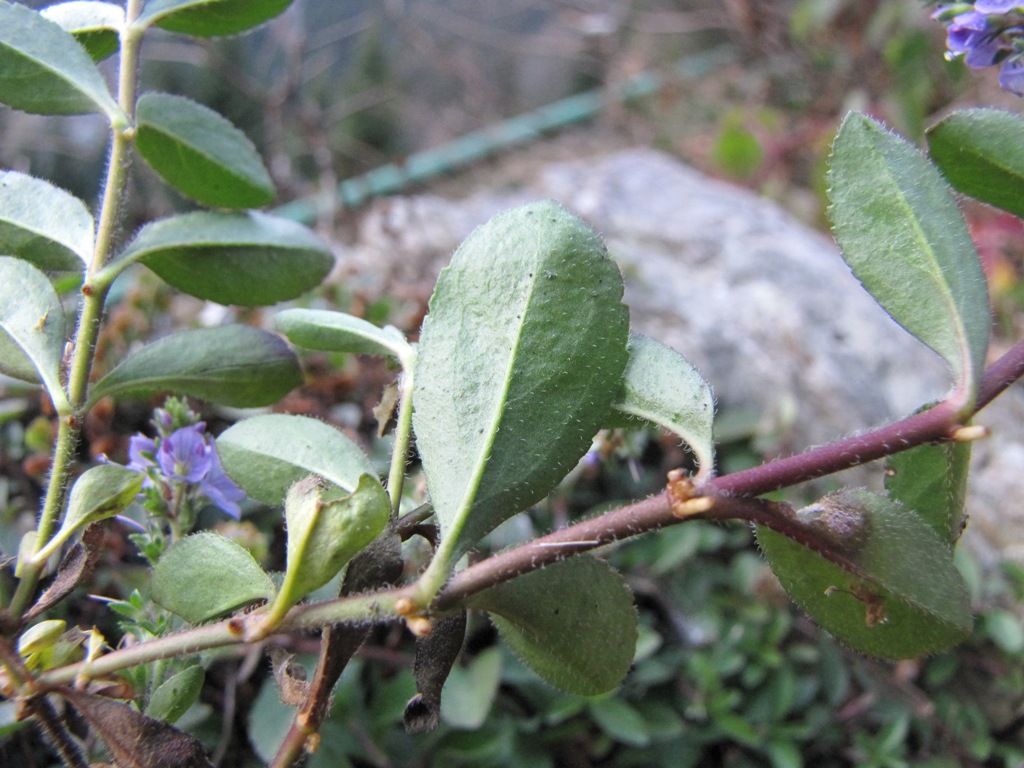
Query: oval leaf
x: 95, y: 25
x: 661, y: 387
x: 101, y: 492
x: 904, y: 238
x: 44, y: 70
x: 176, y: 694
x: 210, y: 18
x: 267, y: 454
x: 32, y: 323
x: 232, y: 258
x: 932, y: 481
x: 338, y: 332
x: 205, y: 575
x: 897, y: 594
x: 232, y: 365
x: 520, y: 359
x: 200, y: 153
x: 981, y: 152
x: 573, y: 623
x: 43, y: 224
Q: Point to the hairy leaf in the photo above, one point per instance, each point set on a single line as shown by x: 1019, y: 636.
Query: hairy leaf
x: 981, y: 152
x: 210, y: 18
x: 338, y: 332
x: 232, y: 365
x: 31, y: 328
x: 232, y: 258
x: 905, y: 239
x: 95, y: 25
x: 520, y: 359
x: 43, y: 70
x: 435, y: 656
x: 268, y: 454
x: 43, y: 224
x: 101, y: 492
x: 888, y: 586
x: 573, y: 623
x: 200, y: 153
x: 661, y: 387
x: 205, y: 575
x: 932, y: 481
x: 176, y: 694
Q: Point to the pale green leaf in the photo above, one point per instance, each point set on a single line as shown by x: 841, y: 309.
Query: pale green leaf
x: 888, y: 585
x: 573, y: 623
x: 232, y: 365
x: 932, y: 481
x: 981, y: 153
x: 206, y: 575
x: 210, y: 18
x: 44, y: 70
x: 95, y: 25
x: 101, y: 492
x: 43, y: 224
x: 232, y: 258
x: 904, y: 238
x: 339, y: 332
x: 661, y: 387
x: 31, y: 326
x: 200, y: 153
x: 176, y: 694
x: 520, y: 359
x: 268, y: 454
x: 469, y: 691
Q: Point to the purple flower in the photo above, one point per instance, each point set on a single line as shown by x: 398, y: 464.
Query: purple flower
x: 996, y: 6
x: 969, y: 35
x: 1011, y: 76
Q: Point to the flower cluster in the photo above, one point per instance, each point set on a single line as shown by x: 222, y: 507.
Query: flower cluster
x: 181, y: 464
x: 986, y: 33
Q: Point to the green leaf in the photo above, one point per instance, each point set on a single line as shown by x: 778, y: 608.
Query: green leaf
x: 932, y: 481
x: 101, y: 492
x: 327, y: 526
x: 661, y: 387
x: 904, y: 238
x: 469, y: 691
x: 176, y: 694
x: 31, y: 328
x: 205, y: 575
x: 232, y: 365
x: 95, y: 25
x: 520, y: 359
x: 266, y: 455
x: 573, y: 623
x: 200, y: 153
x: 889, y: 586
x: 338, y: 332
x: 620, y: 721
x: 981, y: 153
x: 44, y: 71
x: 232, y: 258
x: 43, y: 224
x: 210, y: 18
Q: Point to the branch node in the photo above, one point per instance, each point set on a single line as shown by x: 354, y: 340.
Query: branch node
x: 419, y: 625
x: 683, y: 497
x: 969, y: 434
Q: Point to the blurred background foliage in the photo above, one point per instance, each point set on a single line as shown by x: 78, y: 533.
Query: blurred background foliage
x: 727, y: 672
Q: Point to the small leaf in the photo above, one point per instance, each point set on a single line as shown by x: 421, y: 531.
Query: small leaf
x: 31, y: 327
x: 43, y: 224
x: 134, y: 740
x: 232, y: 365
x: 175, y: 695
x: 661, y: 387
x: 200, y: 153
x: 573, y: 623
x: 905, y: 239
x: 45, y: 71
x: 981, y: 153
x: 436, y: 654
x: 232, y: 258
x: 266, y: 455
x: 520, y: 359
x: 470, y: 691
x: 95, y: 25
x: 101, y: 492
x: 896, y: 594
x: 338, y: 332
x: 75, y: 567
x: 210, y: 18
x: 327, y: 526
x: 932, y: 481
x: 205, y: 575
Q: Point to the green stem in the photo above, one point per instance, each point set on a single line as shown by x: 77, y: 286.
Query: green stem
x: 403, y: 431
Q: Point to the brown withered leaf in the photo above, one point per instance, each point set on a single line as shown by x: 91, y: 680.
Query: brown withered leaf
x: 134, y: 740
x: 435, y: 655
x: 76, y: 566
